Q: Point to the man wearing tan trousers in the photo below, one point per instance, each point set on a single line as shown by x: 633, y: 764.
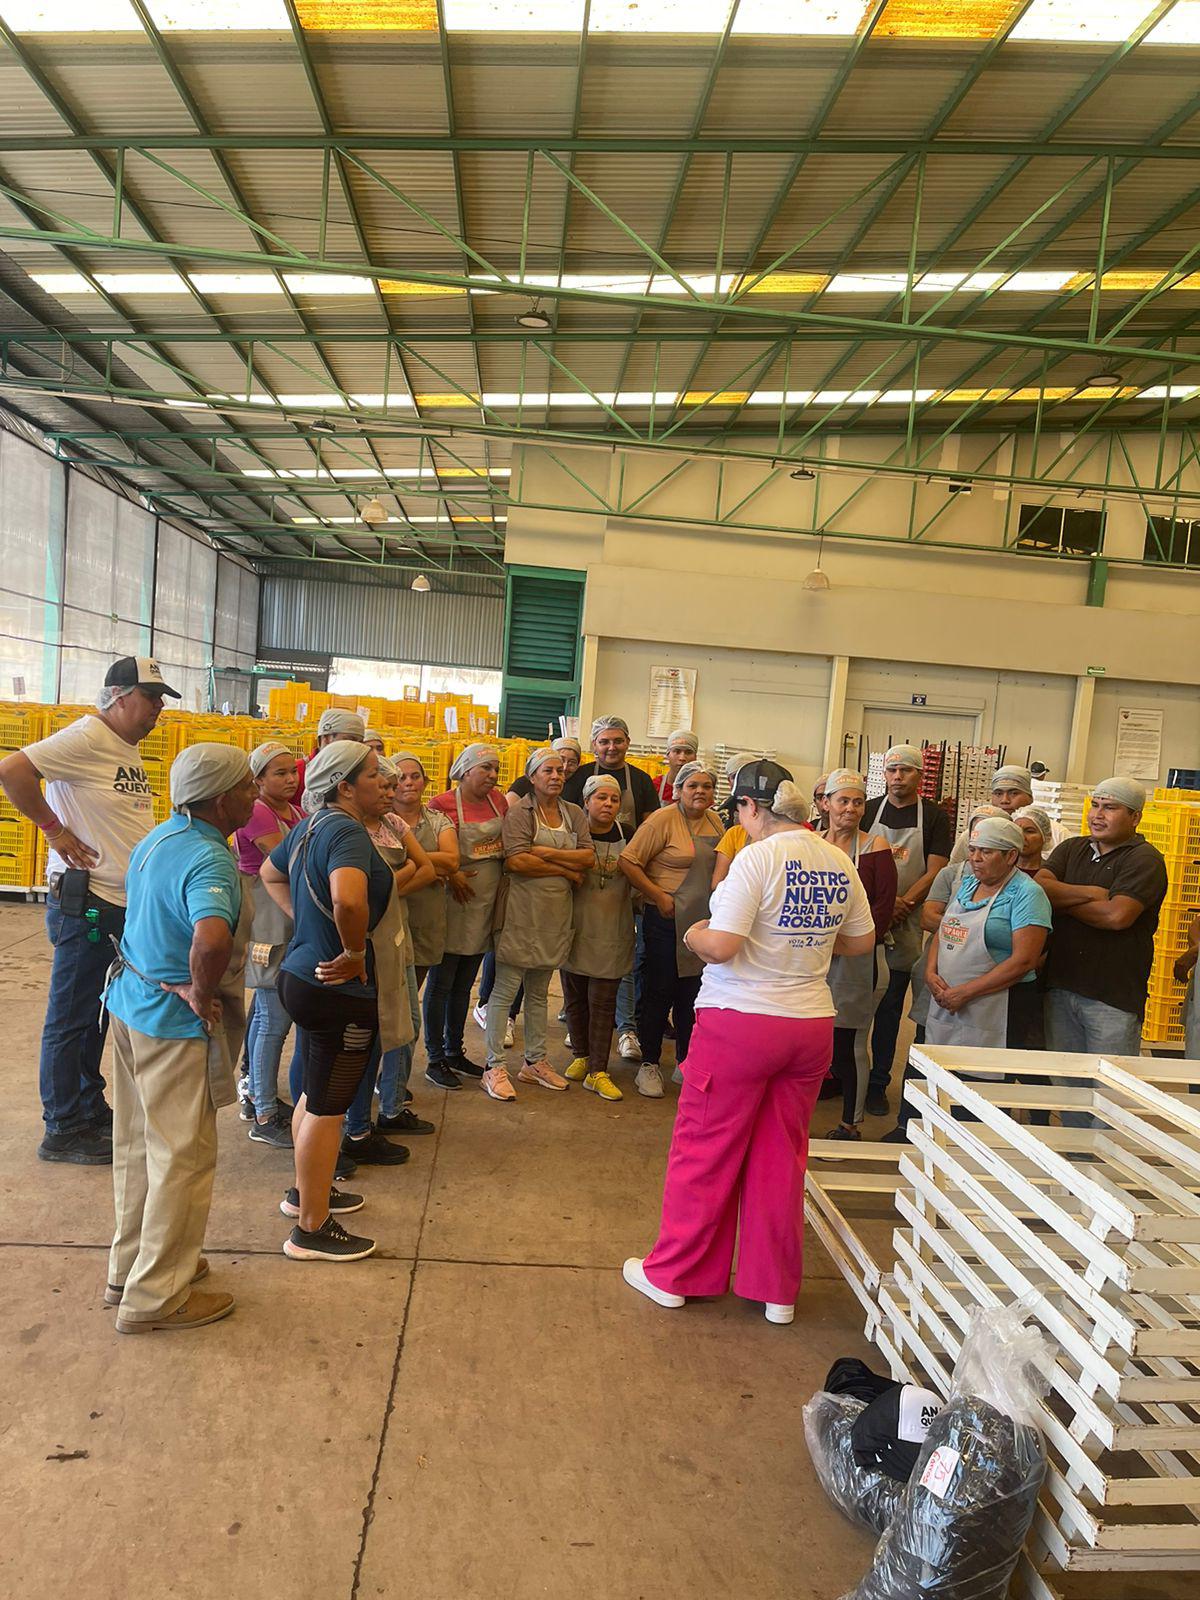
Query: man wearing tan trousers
x: 172, y: 1064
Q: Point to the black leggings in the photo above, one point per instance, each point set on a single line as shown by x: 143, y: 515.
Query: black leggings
x: 663, y: 990
x: 335, y: 1036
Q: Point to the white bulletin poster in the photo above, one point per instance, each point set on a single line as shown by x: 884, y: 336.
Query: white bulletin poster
x: 672, y: 700
x: 1139, y: 744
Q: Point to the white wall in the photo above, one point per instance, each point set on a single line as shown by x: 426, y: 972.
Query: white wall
x: 978, y: 630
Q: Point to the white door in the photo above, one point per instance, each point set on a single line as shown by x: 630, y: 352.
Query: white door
x: 884, y: 726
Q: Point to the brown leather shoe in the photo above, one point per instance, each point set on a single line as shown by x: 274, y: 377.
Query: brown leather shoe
x: 197, y: 1311
x: 114, y: 1291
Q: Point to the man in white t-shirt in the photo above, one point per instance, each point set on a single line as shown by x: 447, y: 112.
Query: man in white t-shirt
x: 97, y: 805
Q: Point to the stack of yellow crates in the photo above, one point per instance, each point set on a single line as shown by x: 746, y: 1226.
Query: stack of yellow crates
x: 19, y: 839
x: 1172, y: 826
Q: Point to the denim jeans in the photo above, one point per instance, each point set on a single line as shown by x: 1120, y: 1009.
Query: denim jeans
x: 487, y: 982
x: 265, y: 1035
x: 886, y: 1029
x: 536, y: 985
x: 73, y: 1035
x: 447, y: 1001
x: 1088, y: 1027
x: 390, y: 1069
x: 664, y: 990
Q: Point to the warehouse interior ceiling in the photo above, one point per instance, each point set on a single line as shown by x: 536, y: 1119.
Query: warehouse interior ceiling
x: 303, y: 271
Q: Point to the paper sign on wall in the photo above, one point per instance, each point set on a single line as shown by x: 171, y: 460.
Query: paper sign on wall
x: 1139, y: 744
x: 672, y: 700
x: 450, y: 718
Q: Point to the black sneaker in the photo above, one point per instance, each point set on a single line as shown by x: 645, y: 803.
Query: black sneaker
x: 877, y: 1103
x: 408, y: 1097
x: 276, y: 1132
x: 246, y: 1109
x: 346, y: 1168
x: 330, y: 1242
x: 442, y: 1076
x: 897, y: 1136
x: 340, y: 1203
x: 406, y: 1122
x: 85, y: 1147
x: 467, y: 1067
x: 375, y: 1150
x: 103, y: 1121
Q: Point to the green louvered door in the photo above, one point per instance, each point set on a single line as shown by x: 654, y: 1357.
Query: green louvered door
x: 542, y: 615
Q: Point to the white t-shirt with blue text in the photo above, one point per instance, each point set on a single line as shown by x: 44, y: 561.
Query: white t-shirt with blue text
x: 790, y: 895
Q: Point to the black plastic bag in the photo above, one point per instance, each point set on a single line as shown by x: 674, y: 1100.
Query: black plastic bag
x: 864, y: 1494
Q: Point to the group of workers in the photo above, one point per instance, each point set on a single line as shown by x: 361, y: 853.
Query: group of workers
x: 337, y: 889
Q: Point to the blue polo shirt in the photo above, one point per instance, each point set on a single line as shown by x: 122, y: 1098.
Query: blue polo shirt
x: 179, y: 874
x: 1022, y: 903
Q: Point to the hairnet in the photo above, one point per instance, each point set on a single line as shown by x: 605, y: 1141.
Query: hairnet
x: 689, y: 769
x: 567, y: 744
x: 473, y: 756
x: 904, y: 755
x: 1125, y: 791
x: 111, y: 693
x: 387, y: 769
x: 329, y: 767
x: 997, y: 833
x: 262, y: 755
x: 600, y: 780
x: 684, y: 736
x: 735, y: 763
x: 845, y: 778
x: 204, y: 771
x: 538, y: 758
x: 1013, y: 778
x: 984, y: 809
x: 602, y: 723
x: 408, y: 755
x: 370, y: 735
x: 342, y: 724
x: 1038, y: 817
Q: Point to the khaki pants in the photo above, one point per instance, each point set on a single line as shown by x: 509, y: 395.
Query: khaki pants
x: 164, y: 1159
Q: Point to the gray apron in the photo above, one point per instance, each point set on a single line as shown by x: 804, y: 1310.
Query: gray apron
x: 603, y: 942
x: 481, y: 852
x: 908, y: 852
x: 852, y: 979
x: 389, y: 940
x: 427, y: 908
x: 963, y: 955
x: 918, y: 1005
x: 691, y: 902
x: 539, y: 912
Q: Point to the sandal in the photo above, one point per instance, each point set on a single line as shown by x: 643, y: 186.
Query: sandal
x: 843, y: 1132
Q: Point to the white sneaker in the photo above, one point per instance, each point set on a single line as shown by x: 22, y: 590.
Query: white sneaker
x: 510, y: 1034
x: 636, y: 1278
x: 677, y: 1075
x: 649, y: 1080
x: 780, y: 1313
x: 628, y: 1047
x: 480, y: 1015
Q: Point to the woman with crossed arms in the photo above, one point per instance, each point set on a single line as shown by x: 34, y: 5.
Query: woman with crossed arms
x: 547, y: 850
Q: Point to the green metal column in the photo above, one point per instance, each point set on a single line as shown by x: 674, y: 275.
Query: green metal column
x: 1097, y: 581
x: 543, y: 610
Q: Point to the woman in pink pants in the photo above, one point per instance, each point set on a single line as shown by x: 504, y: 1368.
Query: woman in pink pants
x: 762, y: 1045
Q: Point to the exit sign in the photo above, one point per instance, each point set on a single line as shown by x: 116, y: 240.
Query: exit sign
x: 1096, y: 672
x: 920, y: 699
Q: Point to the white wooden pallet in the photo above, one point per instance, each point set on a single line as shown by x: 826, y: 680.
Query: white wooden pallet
x: 1099, y: 1226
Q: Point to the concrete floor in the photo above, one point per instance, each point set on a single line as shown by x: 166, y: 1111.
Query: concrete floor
x: 482, y: 1409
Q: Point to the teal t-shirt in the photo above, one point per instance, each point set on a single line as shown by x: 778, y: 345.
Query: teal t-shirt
x: 179, y: 874
x: 1022, y: 903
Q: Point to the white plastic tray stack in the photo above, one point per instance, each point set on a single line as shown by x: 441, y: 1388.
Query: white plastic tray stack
x: 1098, y: 1227
x: 1063, y: 802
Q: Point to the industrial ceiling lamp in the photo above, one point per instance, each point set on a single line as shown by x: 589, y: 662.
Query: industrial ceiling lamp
x: 373, y: 512
x: 1106, y: 380
x: 802, y: 474
x: 535, y: 317
x: 421, y: 583
x: 321, y: 425
x: 817, y: 582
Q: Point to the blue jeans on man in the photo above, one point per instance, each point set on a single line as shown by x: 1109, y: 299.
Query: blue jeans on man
x: 73, y: 1035
x: 1084, y: 1026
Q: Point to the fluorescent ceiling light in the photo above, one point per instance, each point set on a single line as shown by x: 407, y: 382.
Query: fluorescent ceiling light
x: 1181, y: 25
x: 1092, y: 21
x: 809, y: 18
x: 513, y: 16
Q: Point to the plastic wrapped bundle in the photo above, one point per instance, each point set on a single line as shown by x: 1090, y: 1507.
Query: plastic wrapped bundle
x: 864, y: 1494
x: 967, y: 1509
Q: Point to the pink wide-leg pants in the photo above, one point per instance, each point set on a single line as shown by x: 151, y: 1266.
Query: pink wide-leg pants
x: 739, y: 1150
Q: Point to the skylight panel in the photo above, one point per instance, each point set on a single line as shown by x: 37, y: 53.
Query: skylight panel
x: 60, y: 283
x: 314, y: 284
x: 658, y: 16
x: 808, y: 18
x: 513, y: 16
x: 236, y: 283
x: 1086, y: 21
x: 1181, y: 25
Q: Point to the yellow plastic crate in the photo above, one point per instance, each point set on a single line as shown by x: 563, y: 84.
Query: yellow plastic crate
x: 1183, y: 880
x: 1176, y: 795
x: 18, y: 853
x: 19, y: 728
x: 1173, y: 829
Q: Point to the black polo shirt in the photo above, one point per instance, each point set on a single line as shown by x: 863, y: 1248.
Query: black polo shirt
x: 639, y: 783
x: 1107, y: 964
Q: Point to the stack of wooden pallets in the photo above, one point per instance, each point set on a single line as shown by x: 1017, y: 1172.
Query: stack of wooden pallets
x: 1096, y: 1227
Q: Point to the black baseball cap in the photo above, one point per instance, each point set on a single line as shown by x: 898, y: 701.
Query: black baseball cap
x: 138, y: 672
x: 759, y: 780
